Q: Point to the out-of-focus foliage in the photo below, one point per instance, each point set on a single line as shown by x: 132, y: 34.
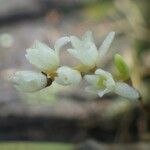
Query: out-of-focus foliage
x: 34, y: 146
x: 99, y: 10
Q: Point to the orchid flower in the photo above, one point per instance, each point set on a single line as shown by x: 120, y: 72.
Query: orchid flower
x: 86, y: 51
x: 45, y: 58
x: 102, y: 82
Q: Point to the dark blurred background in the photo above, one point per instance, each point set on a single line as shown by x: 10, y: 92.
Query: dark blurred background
x: 67, y: 114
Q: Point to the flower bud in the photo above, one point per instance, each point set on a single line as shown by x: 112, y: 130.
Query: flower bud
x: 67, y: 76
x: 122, y: 67
x: 29, y: 81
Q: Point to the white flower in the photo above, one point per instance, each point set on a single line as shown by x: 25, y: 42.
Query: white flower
x: 45, y: 58
x: 29, y: 81
x: 67, y: 76
x: 84, y: 49
x: 102, y: 82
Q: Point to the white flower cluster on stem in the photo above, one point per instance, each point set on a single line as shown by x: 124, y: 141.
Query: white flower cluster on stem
x: 47, y: 61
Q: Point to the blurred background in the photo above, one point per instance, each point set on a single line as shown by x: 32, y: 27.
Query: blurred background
x: 70, y: 118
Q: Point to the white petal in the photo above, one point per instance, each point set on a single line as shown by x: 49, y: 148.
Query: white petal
x: 67, y: 76
x: 76, y: 42
x: 126, y: 91
x: 44, y: 59
x: 61, y: 42
x: 87, y: 37
x: 103, y: 72
x: 106, y: 44
x: 41, y: 46
x: 29, y: 81
x: 74, y: 53
x: 87, y: 54
x: 101, y: 93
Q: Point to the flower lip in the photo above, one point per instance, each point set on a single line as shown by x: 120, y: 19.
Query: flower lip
x: 107, y: 78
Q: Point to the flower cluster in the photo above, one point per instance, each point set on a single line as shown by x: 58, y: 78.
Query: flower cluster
x: 47, y: 61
